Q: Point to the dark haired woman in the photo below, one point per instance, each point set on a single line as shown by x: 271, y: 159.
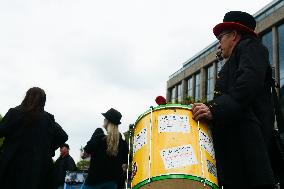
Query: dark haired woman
x: 108, y: 151
x: 31, y: 138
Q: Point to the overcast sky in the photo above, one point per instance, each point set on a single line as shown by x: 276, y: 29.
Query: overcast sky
x: 91, y: 55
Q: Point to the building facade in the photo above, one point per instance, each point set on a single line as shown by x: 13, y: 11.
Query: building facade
x: 197, y: 76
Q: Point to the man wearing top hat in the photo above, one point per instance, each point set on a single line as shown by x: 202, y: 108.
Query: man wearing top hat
x: 242, y: 110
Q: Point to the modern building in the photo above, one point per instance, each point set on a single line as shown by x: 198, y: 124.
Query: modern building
x: 197, y: 76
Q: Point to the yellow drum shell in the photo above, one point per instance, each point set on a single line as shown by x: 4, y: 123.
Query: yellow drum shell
x: 172, y: 151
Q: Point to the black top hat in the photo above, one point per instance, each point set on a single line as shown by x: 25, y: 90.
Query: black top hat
x: 113, y: 116
x: 237, y: 20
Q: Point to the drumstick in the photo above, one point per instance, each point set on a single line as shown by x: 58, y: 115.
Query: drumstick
x: 201, y: 156
x: 150, y: 143
x: 128, y: 158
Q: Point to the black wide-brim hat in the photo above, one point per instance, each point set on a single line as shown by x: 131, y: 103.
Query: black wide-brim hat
x: 113, y: 116
x: 237, y: 20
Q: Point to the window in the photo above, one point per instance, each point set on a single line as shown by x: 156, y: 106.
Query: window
x: 190, y: 87
x: 179, y: 95
x: 281, y: 53
x: 197, y: 87
x: 281, y: 63
x: 267, y: 41
x: 210, y: 83
x: 173, y: 95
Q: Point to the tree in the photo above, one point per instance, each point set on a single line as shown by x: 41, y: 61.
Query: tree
x: 83, y: 165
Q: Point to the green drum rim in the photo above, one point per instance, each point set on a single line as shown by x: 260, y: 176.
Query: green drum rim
x: 176, y: 176
x: 189, y: 107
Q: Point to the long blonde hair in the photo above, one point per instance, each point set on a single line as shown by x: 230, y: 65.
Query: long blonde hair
x: 112, y: 139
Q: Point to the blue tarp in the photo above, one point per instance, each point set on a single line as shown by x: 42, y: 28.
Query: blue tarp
x: 77, y: 186
x: 74, y: 180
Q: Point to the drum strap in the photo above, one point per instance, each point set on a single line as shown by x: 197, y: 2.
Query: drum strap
x: 201, y: 156
x: 150, y: 141
x: 279, y: 133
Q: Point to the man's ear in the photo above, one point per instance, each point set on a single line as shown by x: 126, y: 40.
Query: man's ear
x: 235, y: 35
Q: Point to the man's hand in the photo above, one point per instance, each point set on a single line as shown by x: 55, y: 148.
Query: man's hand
x: 85, y: 155
x: 201, y: 111
x: 124, y: 167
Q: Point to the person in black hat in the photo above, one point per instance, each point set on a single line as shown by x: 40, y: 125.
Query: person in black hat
x: 64, y: 163
x: 242, y: 109
x: 109, y: 151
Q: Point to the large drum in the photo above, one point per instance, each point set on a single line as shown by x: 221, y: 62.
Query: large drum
x: 172, y: 151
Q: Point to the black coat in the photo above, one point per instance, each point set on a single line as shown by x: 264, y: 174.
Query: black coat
x: 26, y: 155
x: 63, y: 164
x: 242, y: 110
x: 104, y: 168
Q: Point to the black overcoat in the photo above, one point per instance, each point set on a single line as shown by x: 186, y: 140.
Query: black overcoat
x: 104, y: 168
x: 243, y: 117
x: 61, y: 166
x: 28, y: 148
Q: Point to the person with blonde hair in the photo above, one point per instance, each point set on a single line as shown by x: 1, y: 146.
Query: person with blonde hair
x: 108, y: 151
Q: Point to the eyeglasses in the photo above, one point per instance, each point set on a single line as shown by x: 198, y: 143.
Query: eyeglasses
x: 222, y: 35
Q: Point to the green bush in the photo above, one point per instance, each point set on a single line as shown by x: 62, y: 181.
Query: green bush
x: 83, y: 165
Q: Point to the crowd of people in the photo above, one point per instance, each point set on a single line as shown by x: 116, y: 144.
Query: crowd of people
x: 32, y: 136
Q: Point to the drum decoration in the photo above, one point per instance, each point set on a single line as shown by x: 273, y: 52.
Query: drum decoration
x: 172, y: 151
